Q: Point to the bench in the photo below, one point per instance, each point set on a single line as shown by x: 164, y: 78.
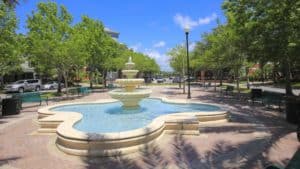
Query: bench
x: 110, y: 86
x: 30, y: 97
x: 79, y: 91
x: 73, y: 91
x: 84, y: 90
x: 228, y: 89
x: 271, y: 98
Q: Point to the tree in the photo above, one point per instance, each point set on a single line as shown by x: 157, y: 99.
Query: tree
x: 50, y: 39
x: 10, y: 58
x: 177, y: 62
x: 10, y: 3
x: 98, y: 45
x: 270, y: 30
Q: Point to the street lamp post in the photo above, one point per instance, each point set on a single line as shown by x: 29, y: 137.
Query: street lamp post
x: 186, y: 30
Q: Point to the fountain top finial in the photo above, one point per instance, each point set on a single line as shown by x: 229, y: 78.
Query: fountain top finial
x: 129, y: 65
x: 129, y: 60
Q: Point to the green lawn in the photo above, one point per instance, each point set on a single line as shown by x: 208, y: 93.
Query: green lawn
x: 296, y: 85
x: 51, y: 94
x: 242, y: 89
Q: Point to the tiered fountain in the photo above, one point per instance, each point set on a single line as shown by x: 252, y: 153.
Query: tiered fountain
x: 96, y: 129
x: 130, y: 96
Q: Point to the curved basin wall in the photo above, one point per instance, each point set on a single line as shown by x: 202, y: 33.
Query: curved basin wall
x: 111, y: 117
x: 74, y: 137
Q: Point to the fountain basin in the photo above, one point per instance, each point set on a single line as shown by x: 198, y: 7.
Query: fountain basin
x: 75, y: 141
x: 130, y: 98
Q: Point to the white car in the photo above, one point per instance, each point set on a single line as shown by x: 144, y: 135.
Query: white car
x: 24, y: 85
x: 51, y: 85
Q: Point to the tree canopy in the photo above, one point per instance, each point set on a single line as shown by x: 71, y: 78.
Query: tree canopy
x: 10, y: 42
x: 55, y: 46
x: 255, y: 32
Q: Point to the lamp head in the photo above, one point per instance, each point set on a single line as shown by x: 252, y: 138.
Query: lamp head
x: 187, y: 29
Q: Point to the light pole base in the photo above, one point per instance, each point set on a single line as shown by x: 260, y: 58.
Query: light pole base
x: 189, y: 96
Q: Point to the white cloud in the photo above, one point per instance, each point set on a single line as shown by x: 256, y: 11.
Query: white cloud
x: 161, y: 59
x: 192, y: 46
x: 136, y: 47
x: 187, y: 22
x: 159, y: 44
x: 207, y: 20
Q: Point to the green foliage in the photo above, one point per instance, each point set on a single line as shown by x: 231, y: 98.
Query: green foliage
x: 144, y: 63
x: 53, y: 44
x: 10, y: 42
x: 95, y: 42
x: 49, y: 38
x: 56, y: 47
x: 178, y: 59
x: 269, y: 32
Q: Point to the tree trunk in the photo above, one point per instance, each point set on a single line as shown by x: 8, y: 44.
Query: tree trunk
x: 238, y: 82
x: 262, y: 74
x: 204, y: 80
x: 59, y: 82
x: 91, y: 79
x: 65, y: 76
x: 221, y: 77
x: 215, y: 80
x: 287, y: 72
x: 180, y: 77
x: 183, y: 86
x: 104, y: 78
x: 78, y: 76
x: 119, y: 74
x: 247, y: 77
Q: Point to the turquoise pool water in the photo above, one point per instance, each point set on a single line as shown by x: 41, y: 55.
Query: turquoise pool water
x: 110, y: 117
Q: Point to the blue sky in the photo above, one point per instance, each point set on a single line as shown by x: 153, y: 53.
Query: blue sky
x: 148, y: 26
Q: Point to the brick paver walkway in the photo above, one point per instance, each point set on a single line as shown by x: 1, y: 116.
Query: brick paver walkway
x: 254, y: 138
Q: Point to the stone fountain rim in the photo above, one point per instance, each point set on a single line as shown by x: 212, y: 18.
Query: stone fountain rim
x: 70, y: 139
x: 47, y: 112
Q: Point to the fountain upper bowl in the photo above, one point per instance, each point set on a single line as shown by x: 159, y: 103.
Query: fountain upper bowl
x: 130, y: 81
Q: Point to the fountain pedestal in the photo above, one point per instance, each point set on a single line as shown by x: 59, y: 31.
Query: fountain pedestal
x: 130, y: 96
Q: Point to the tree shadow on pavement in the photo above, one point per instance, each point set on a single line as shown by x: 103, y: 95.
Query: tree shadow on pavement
x: 6, y: 161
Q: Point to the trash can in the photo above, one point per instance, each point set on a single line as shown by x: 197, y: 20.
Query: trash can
x: 10, y: 106
x: 293, y: 109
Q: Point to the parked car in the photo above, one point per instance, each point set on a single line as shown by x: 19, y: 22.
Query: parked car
x: 51, y: 85
x: 160, y: 80
x: 24, y: 85
x: 177, y: 79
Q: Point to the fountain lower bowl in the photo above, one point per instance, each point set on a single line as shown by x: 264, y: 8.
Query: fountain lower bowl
x: 130, y: 99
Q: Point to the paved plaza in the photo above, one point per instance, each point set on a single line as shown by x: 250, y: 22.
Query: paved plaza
x: 253, y: 138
